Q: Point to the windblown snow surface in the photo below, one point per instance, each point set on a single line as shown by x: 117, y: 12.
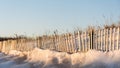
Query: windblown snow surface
x: 38, y: 58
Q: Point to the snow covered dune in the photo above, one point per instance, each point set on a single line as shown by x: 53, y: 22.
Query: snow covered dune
x: 38, y: 58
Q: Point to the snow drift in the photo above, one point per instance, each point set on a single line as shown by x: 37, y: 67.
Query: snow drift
x: 38, y: 58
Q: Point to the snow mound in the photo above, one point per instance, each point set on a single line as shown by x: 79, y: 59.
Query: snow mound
x: 39, y: 58
x: 90, y: 59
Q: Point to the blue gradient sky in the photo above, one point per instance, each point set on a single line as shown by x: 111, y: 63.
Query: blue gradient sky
x: 36, y: 17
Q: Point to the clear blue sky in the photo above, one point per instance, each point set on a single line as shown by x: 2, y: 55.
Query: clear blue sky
x: 39, y: 16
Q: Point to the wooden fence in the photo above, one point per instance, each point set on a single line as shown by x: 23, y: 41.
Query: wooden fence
x: 102, y: 39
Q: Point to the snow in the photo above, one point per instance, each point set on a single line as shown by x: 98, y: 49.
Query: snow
x: 39, y: 58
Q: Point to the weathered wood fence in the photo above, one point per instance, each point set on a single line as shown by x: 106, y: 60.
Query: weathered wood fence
x: 17, y: 44
x: 81, y: 41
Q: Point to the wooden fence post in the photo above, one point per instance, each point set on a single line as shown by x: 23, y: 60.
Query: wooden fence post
x: 62, y: 42
x: 13, y: 44
x: 104, y: 39
x: 85, y: 41
x: 79, y: 41
x: 82, y: 41
x: 67, y: 43
x: 89, y: 40
x: 107, y: 41
x: 69, y: 49
x: 110, y: 48
x: 58, y: 43
x: 1, y: 45
x: 51, y: 42
x: 113, y: 39
x: 55, y: 47
x: 66, y: 46
x: 117, y: 38
x: 101, y: 39
x: 96, y: 40
x: 72, y: 43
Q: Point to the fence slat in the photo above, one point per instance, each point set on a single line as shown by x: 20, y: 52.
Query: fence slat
x: 117, y: 38
x: 85, y: 41
x: 79, y: 43
x: 96, y: 33
x: 82, y: 41
x: 110, y: 39
x: 101, y: 46
x: 107, y: 43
